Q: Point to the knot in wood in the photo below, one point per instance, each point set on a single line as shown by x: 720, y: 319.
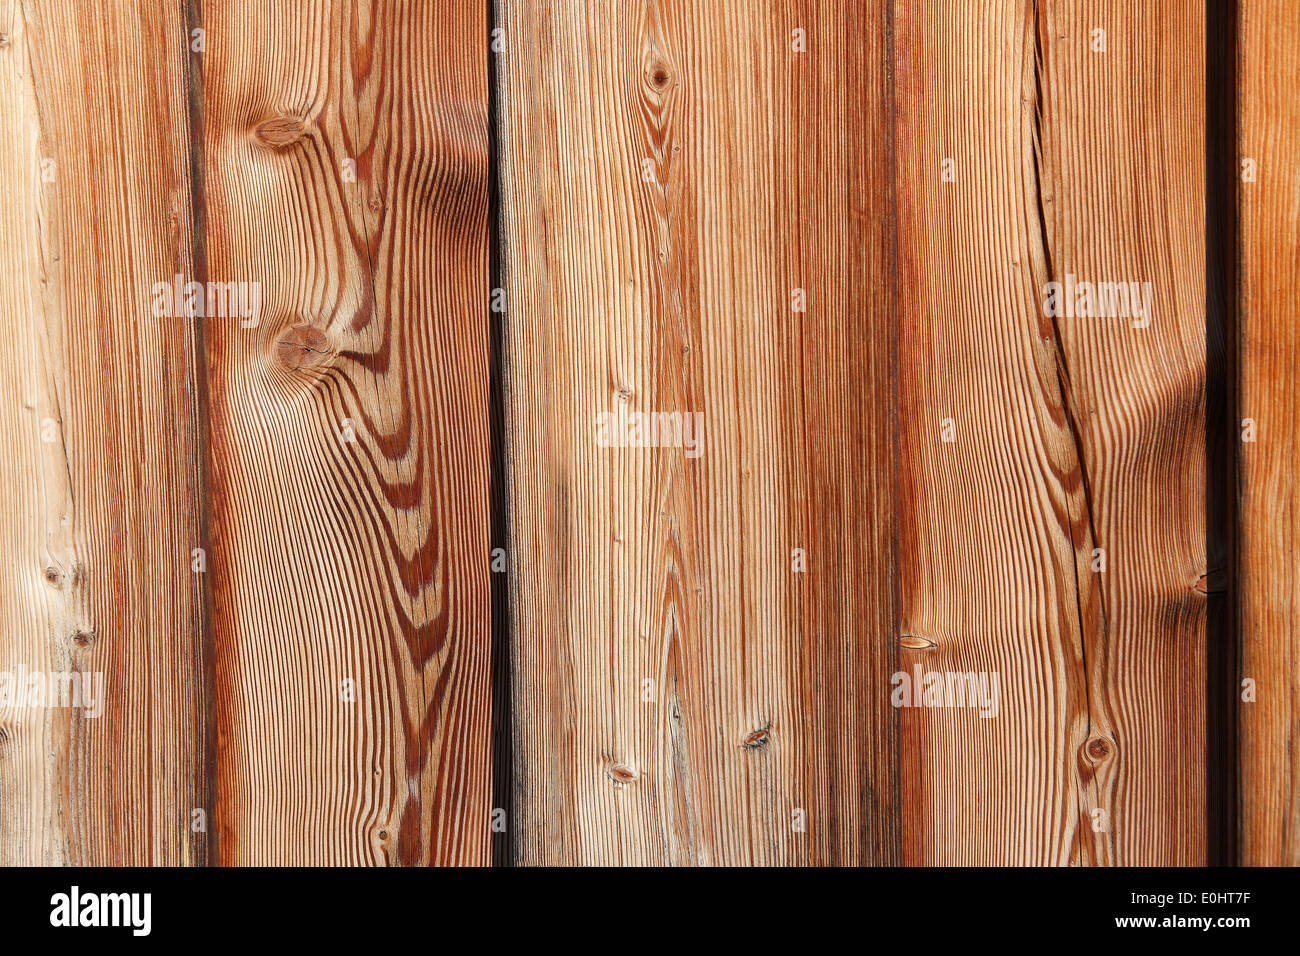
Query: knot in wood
x: 280, y: 132
x: 1097, y: 748
x: 621, y: 774
x: 303, y: 346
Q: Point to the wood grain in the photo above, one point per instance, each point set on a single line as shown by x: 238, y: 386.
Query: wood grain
x: 672, y: 173
x: 1068, y: 434
x: 98, y: 471
x: 293, y: 628
x: 1130, y: 206
x: 349, y: 431
x: 821, y: 231
x: 1269, y: 202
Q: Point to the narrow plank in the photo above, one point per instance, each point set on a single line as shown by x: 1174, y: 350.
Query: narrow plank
x: 1269, y: 137
x: 350, y: 430
x: 1123, y: 183
x: 98, y: 472
x: 672, y: 172
x: 1031, y: 441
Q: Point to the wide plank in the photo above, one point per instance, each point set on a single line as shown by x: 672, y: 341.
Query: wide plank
x: 346, y: 172
x: 1052, y: 532
x: 695, y: 212
x: 1268, y: 138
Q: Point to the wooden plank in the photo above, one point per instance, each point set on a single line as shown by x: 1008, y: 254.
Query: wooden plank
x: 1269, y: 137
x: 1030, y: 440
x: 98, y: 471
x: 350, y: 430
x: 672, y: 172
x: 1123, y: 150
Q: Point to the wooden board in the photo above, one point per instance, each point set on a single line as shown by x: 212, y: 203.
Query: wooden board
x: 349, y: 431
x: 99, y: 471
x: 1065, y: 434
x: 1268, y: 139
x: 683, y: 694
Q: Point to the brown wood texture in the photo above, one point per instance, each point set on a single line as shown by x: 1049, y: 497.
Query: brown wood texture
x: 1268, y: 140
x: 1068, y: 433
x: 321, y: 688
x: 349, y: 431
x: 682, y: 693
x: 364, y: 579
x: 99, y: 440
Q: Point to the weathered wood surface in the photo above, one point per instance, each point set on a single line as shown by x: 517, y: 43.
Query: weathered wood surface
x: 101, y: 504
x: 686, y: 685
x: 321, y: 688
x: 1068, y: 435
x: 1268, y: 140
x: 349, y: 430
x: 828, y: 229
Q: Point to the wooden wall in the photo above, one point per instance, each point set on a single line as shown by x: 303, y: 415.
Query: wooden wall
x: 364, y: 585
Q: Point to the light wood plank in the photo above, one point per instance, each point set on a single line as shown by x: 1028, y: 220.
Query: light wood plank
x: 672, y: 172
x: 350, y: 430
x: 99, y: 467
x: 1068, y: 434
x: 1269, y: 139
